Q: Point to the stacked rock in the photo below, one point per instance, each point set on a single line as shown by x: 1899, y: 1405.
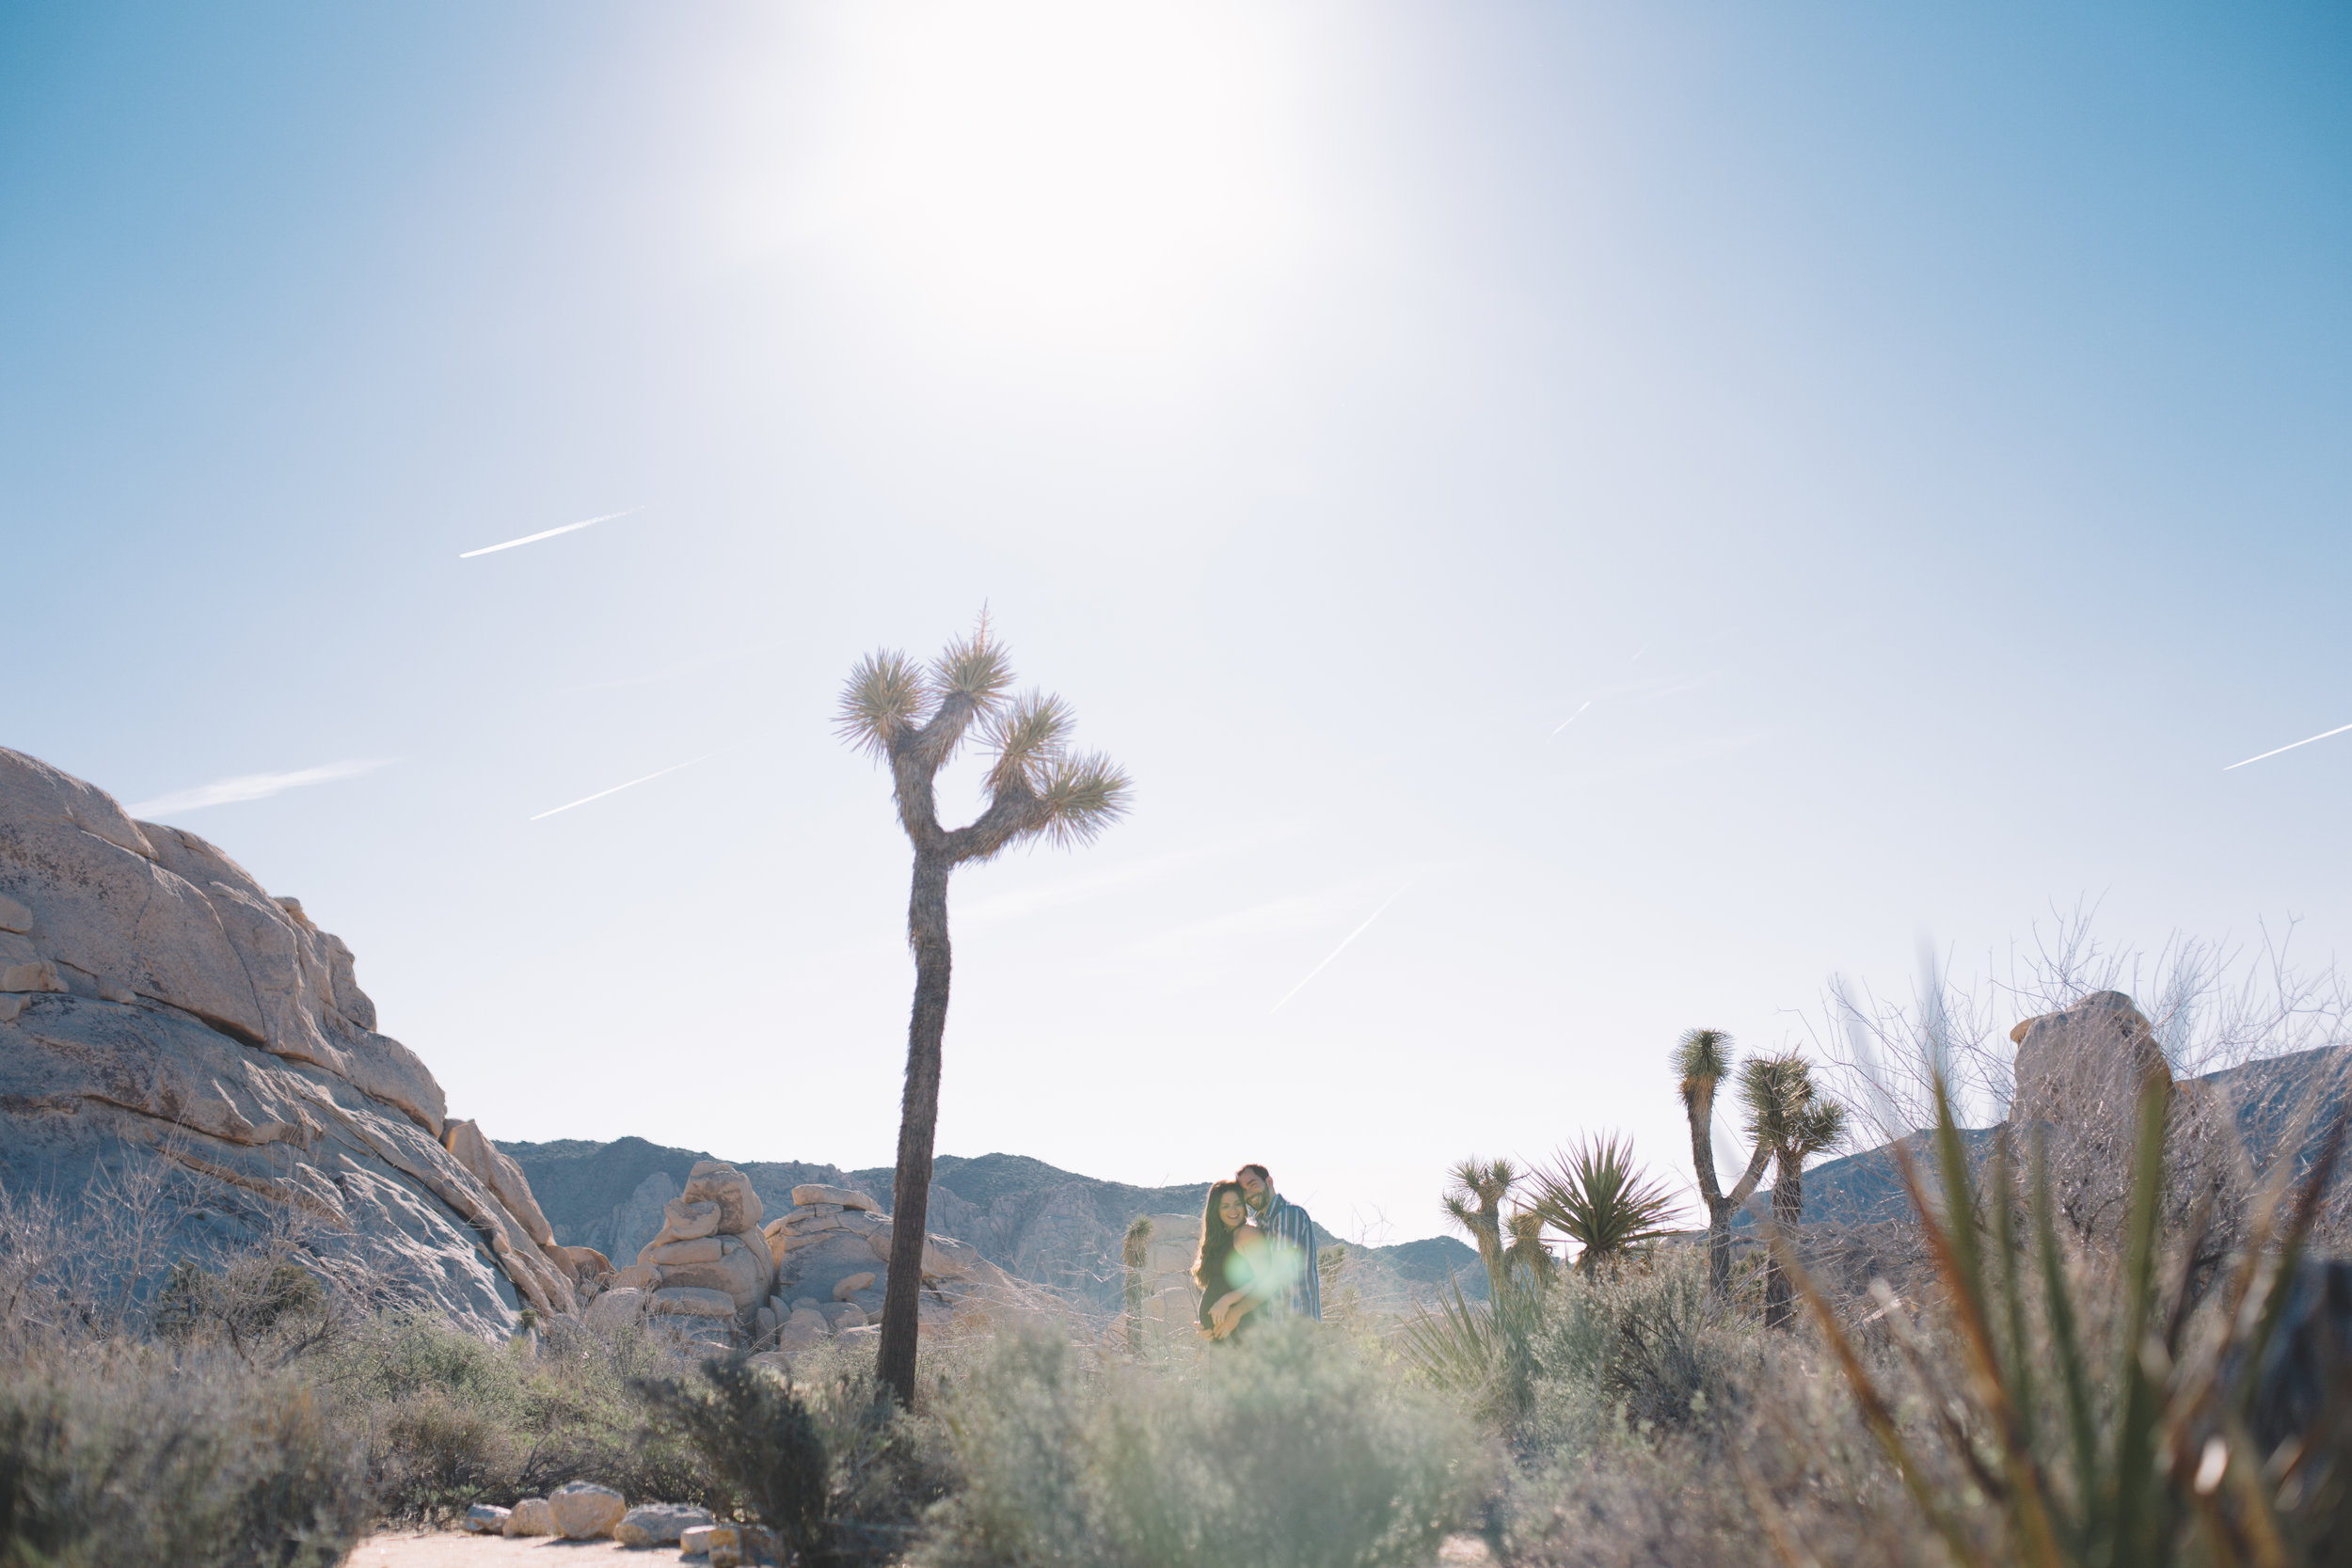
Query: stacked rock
x: 832, y: 1256
x: 710, y: 1265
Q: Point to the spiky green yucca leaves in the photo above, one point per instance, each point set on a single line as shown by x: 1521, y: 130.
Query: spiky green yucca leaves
x: 2145, y: 1459
x: 1485, y: 1353
x: 1475, y: 1189
x: 1598, y: 1197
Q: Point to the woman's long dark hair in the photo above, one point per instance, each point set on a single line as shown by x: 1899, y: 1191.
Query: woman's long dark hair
x: 1216, y: 1238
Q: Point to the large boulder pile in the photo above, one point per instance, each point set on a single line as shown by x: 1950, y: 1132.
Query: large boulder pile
x: 832, y: 1256
x: 708, y: 1267
x: 163, y: 1017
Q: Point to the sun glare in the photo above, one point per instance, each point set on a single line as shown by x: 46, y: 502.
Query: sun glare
x: 1086, y: 177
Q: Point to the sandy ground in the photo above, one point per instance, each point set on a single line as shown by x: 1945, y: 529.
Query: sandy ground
x: 453, y: 1549
x: 395, y: 1548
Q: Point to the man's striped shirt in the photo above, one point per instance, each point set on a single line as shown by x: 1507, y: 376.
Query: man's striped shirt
x: 1293, y: 1235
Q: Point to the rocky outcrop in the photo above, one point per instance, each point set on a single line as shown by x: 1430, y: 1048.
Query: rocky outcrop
x: 2084, y: 1064
x: 832, y: 1253
x: 162, y: 1014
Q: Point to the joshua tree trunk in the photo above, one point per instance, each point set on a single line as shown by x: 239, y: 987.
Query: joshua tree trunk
x: 918, y: 1124
x: 1787, y: 1214
x: 1700, y: 1102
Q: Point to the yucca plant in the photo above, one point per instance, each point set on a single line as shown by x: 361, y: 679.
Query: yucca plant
x: 1595, y: 1196
x: 1484, y: 1352
x: 915, y: 717
x: 2084, y: 1461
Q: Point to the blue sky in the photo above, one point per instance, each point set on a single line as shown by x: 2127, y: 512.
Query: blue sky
x: 1911, y: 447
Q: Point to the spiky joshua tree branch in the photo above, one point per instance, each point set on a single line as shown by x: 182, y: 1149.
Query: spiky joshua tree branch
x: 914, y: 718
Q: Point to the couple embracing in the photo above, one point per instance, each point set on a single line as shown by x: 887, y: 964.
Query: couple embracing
x: 1256, y: 1257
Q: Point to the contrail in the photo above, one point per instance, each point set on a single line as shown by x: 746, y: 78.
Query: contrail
x: 1340, y: 949
x: 2321, y: 736
x: 1570, y: 719
x: 250, y: 786
x: 534, y: 538
x: 632, y: 784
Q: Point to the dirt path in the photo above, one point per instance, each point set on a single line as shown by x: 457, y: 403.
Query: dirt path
x: 400, y: 1548
x: 452, y: 1549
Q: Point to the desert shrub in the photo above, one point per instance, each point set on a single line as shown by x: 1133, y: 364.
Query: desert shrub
x: 756, y: 1436
x: 451, y: 1421
x: 250, y: 1299
x: 134, y: 1457
x: 1291, y: 1451
x: 1646, y: 1348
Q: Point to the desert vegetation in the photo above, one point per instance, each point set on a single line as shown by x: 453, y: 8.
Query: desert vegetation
x: 2102, y: 1332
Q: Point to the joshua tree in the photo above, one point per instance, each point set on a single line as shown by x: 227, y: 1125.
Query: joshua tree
x: 1794, y: 1119
x: 1134, y: 1252
x: 914, y: 718
x: 1597, y: 1198
x: 1525, y: 1260
x: 1702, y: 1059
x: 1473, y: 1200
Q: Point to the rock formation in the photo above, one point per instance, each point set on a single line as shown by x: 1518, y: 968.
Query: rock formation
x: 169, y: 1027
x: 2084, y: 1065
x: 832, y: 1255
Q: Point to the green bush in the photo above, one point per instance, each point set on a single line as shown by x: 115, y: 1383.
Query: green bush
x: 132, y: 1458
x: 757, y: 1438
x: 1291, y: 1451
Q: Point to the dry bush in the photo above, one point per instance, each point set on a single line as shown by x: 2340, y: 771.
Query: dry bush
x: 1289, y: 1452
x: 135, y: 1455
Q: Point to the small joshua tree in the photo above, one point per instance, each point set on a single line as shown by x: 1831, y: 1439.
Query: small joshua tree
x: 1473, y: 1200
x: 1702, y: 1059
x: 1793, y: 1118
x: 914, y: 718
x: 1526, y: 1261
x: 1134, y: 1252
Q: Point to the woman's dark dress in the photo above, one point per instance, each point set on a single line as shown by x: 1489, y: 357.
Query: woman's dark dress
x: 1234, y: 1275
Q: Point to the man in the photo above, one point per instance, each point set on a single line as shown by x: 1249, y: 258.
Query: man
x: 1292, y: 1235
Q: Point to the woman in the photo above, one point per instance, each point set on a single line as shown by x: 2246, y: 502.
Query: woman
x: 1232, y: 1262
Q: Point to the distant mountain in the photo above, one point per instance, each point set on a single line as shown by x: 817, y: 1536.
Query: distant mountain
x: 1034, y: 1220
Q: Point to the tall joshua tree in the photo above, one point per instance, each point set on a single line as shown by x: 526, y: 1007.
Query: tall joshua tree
x: 914, y: 718
x: 1702, y: 1059
x: 1473, y: 1200
x: 1793, y: 1118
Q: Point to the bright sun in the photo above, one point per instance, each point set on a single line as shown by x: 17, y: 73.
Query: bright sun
x: 1084, y: 177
